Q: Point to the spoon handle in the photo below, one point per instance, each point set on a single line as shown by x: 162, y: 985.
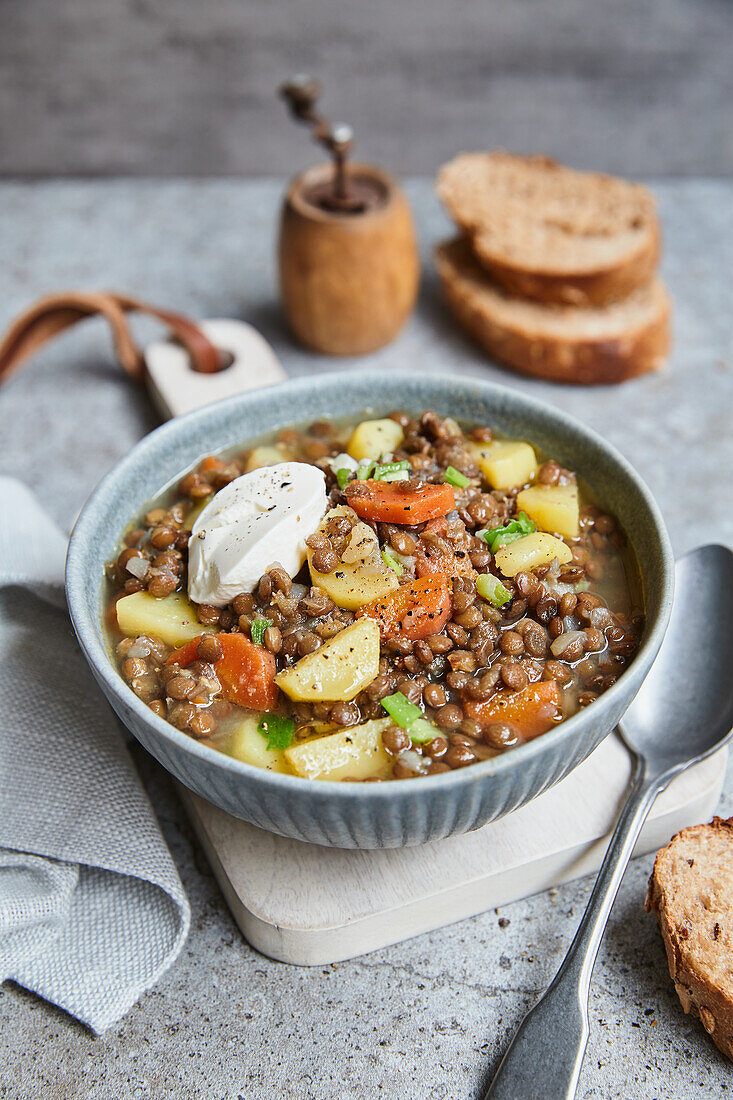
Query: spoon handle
x: 546, y: 1054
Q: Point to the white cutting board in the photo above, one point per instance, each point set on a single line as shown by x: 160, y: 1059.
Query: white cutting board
x: 309, y: 905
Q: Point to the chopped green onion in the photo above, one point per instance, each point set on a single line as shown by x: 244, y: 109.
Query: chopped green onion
x: 398, y: 475
x: 342, y: 476
x: 391, y: 561
x: 381, y: 471
x: 365, y: 468
x: 510, y: 532
x: 455, y: 477
x: 400, y: 709
x: 422, y: 731
x: 405, y: 714
x: 392, y: 471
x: 278, y: 731
x: 258, y: 628
x: 490, y: 588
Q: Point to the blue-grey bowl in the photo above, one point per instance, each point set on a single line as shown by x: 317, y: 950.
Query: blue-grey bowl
x: 401, y: 812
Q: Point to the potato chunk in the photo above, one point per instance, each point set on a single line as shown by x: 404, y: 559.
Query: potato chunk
x: 527, y: 553
x: 248, y: 744
x: 267, y: 455
x: 194, y: 512
x: 340, y: 669
x: 505, y: 463
x: 355, y: 583
x: 553, y: 508
x: 373, y: 438
x: 172, y: 619
x: 354, y: 753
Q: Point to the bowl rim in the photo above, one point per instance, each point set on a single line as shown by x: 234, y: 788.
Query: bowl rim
x: 89, y: 629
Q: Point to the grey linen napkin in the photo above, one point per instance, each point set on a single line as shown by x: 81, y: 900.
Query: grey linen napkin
x: 92, y: 910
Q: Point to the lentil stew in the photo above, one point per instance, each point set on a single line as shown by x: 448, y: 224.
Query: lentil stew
x: 390, y: 599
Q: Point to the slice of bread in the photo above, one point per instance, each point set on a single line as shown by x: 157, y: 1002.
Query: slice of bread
x: 691, y: 892
x: 560, y: 343
x: 552, y: 233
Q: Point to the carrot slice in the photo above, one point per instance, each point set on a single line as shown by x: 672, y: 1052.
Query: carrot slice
x: 186, y: 655
x: 532, y: 711
x: 246, y: 672
x: 395, y: 502
x: 416, y: 610
x: 431, y: 559
x: 211, y: 462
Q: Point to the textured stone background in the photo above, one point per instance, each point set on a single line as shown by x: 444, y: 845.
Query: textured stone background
x: 185, y: 87
x: 429, y: 1018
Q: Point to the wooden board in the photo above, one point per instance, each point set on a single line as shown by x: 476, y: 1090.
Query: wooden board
x: 307, y: 905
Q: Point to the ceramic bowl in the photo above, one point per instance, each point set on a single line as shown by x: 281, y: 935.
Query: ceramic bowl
x: 400, y: 812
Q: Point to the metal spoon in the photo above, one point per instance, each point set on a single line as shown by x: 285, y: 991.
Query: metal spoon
x: 683, y: 713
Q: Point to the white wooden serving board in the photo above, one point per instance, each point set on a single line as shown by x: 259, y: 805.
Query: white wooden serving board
x: 308, y: 905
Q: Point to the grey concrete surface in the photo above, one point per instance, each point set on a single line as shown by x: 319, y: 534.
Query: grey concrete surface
x: 427, y: 1019
x: 164, y: 87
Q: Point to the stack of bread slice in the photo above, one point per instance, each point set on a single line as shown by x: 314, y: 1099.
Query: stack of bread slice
x: 554, y: 270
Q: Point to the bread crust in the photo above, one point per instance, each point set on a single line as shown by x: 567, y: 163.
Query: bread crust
x: 691, y: 965
x: 600, y: 284
x: 574, y: 359
x: 601, y: 288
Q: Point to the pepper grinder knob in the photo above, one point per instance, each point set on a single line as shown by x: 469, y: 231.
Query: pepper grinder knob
x: 301, y: 92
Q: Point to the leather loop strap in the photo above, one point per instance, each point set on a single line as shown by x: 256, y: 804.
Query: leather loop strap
x: 205, y: 358
x: 56, y: 312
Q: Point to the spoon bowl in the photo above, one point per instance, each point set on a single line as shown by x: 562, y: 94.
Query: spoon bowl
x: 684, y: 708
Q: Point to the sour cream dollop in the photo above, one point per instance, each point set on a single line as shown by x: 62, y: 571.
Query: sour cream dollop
x: 258, y: 520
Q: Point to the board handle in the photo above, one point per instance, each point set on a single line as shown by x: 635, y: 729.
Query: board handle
x: 249, y: 364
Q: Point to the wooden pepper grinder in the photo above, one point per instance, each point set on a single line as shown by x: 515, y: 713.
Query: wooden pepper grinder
x: 349, y: 268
